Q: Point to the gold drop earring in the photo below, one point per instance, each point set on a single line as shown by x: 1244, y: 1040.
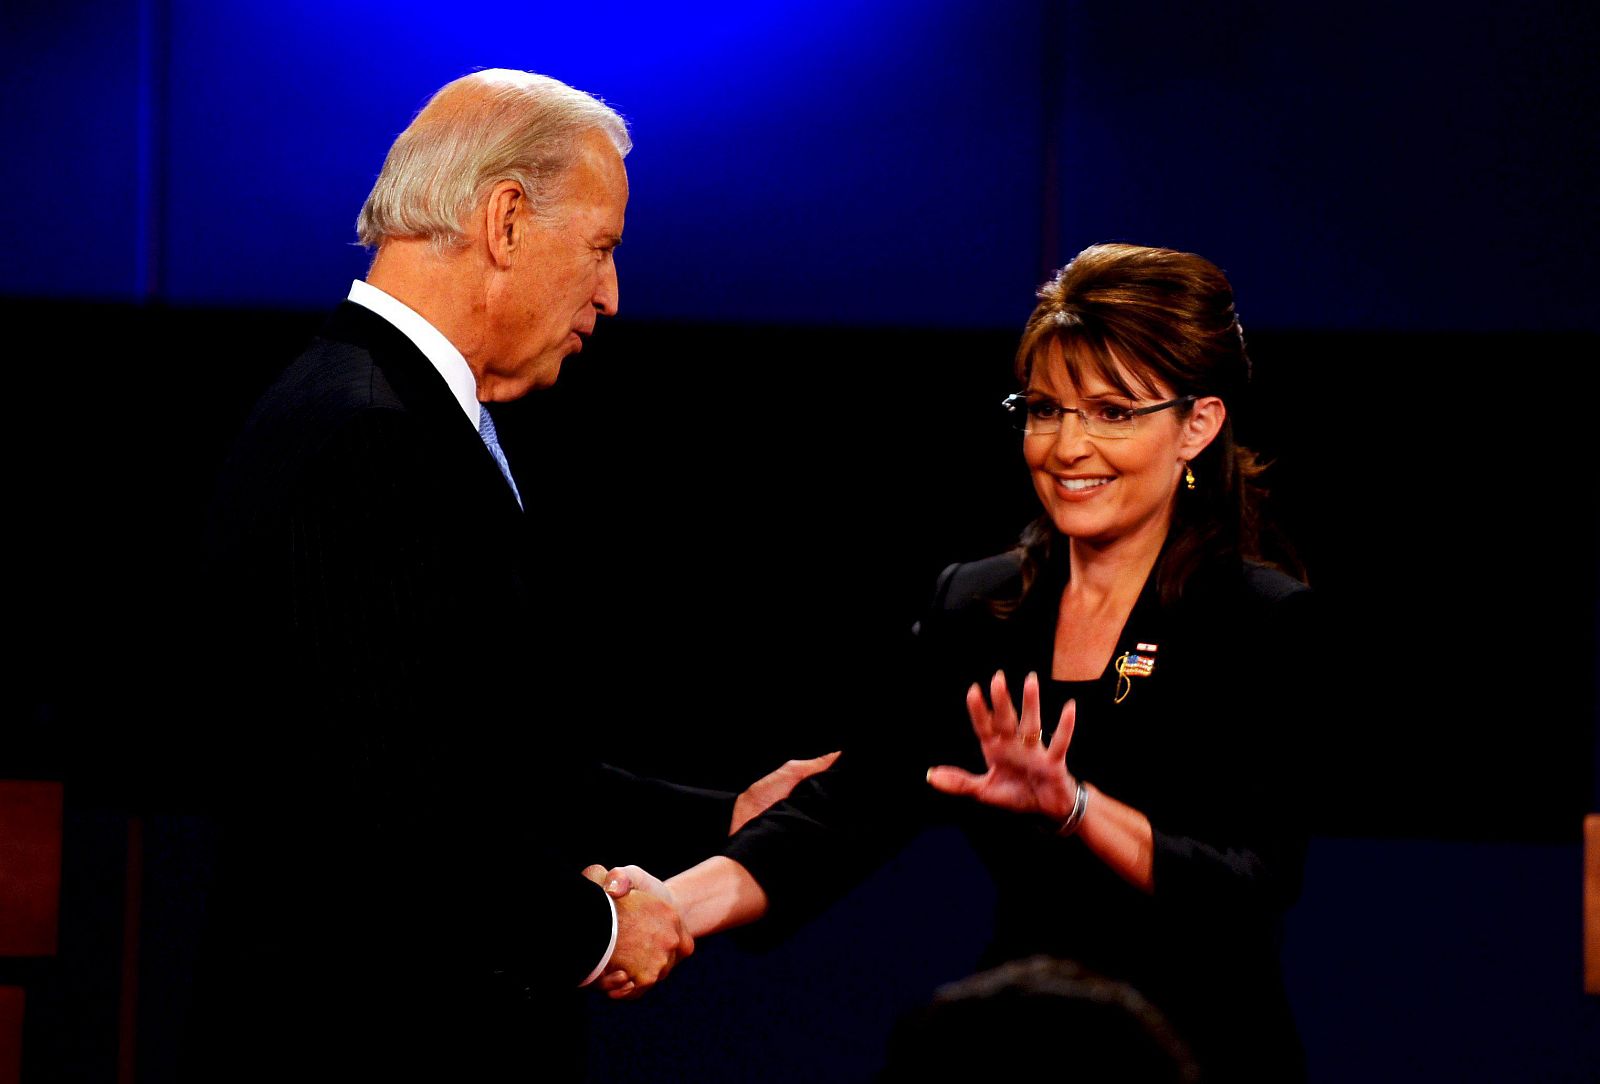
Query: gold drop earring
x: 1188, y: 477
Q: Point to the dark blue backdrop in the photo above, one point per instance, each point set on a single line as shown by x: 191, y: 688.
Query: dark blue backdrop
x: 1425, y: 166
x: 1403, y: 196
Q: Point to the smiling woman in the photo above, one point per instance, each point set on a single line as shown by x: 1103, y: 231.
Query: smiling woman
x: 1127, y: 326
x: 1178, y: 670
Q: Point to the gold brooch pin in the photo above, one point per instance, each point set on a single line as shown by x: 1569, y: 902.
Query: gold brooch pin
x: 1139, y: 662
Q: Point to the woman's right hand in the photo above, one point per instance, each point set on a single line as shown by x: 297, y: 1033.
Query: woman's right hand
x: 1024, y: 774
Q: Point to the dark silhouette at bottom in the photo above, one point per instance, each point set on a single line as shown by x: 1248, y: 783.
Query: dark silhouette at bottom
x: 1043, y: 1015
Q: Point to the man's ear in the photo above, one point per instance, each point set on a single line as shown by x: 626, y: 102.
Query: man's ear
x: 1202, y: 425
x: 505, y: 215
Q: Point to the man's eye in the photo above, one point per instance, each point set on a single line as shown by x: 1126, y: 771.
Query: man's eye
x: 1044, y: 408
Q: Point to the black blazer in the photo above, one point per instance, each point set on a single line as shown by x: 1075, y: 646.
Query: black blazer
x: 1209, y: 745
x: 407, y: 791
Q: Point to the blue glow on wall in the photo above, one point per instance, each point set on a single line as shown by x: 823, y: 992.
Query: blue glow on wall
x: 878, y: 162
x: 795, y: 162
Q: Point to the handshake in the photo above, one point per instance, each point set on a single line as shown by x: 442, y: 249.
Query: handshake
x: 651, y: 934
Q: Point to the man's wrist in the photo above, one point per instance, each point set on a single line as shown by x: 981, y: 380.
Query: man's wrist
x: 611, y: 945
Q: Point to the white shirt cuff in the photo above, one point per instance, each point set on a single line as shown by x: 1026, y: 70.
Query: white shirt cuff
x: 610, y: 948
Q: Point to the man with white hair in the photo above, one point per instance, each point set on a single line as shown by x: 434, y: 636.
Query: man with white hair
x: 409, y: 789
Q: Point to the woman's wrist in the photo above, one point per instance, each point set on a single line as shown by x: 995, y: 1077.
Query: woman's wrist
x: 717, y: 894
x: 1080, y: 807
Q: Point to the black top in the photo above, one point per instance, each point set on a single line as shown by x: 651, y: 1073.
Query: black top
x: 1207, y: 745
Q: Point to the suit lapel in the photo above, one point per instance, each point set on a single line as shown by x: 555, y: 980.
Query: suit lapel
x: 427, y: 396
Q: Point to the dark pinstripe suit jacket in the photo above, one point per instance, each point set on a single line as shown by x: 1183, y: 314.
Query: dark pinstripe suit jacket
x: 408, y: 793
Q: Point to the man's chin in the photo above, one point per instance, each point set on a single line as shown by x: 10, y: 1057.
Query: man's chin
x: 543, y: 373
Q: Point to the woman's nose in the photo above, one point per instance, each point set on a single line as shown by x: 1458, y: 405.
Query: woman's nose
x: 1072, y: 440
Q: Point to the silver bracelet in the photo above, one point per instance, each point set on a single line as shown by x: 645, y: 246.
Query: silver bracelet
x: 1080, y: 802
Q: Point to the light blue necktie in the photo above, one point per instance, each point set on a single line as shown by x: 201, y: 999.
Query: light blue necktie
x: 492, y: 440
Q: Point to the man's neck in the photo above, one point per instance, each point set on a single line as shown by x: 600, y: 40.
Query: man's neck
x: 443, y: 290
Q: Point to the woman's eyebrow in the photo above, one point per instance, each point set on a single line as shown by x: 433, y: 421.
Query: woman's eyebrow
x: 1096, y: 397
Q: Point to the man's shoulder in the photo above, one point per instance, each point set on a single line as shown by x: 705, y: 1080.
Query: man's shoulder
x: 330, y: 378
x: 338, y: 402
x: 340, y: 371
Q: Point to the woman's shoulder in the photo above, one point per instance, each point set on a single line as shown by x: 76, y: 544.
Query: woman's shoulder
x: 967, y: 583
x: 1268, y: 584
x: 1249, y: 600
x: 965, y: 591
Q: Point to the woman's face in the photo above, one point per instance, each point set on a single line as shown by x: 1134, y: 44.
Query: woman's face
x: 1116, y: 490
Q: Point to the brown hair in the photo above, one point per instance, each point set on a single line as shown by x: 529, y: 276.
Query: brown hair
x: 1130, y: 316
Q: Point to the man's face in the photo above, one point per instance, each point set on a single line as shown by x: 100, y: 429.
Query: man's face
x: 563, y: 275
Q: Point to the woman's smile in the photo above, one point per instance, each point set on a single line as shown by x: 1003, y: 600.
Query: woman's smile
x: 1081, y: 487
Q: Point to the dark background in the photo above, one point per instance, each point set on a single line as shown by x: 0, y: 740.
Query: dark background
x: 839, y: 213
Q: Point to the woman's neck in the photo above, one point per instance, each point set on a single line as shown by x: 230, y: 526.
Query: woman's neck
x: 1102, y: 575
x: 1095, y: 605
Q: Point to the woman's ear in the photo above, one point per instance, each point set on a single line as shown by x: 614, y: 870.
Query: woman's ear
x: 1202, y: 425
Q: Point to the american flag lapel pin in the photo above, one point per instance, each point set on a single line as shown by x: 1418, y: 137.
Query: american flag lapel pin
x: 1140, y: 662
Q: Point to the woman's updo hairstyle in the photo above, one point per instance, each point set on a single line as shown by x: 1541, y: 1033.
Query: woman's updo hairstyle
x: 1130, y: 316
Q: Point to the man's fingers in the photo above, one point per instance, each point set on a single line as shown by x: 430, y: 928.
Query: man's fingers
x: 615, y: 887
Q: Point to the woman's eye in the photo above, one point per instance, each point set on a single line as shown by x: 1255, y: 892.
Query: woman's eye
x: 1113, y: 413
x: 1044, y: 408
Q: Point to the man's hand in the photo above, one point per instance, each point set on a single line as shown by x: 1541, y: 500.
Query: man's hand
x: 775, y: 787
x: 651, y: 937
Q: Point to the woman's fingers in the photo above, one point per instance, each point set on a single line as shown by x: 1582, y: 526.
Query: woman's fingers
x: 953, y: 780
x: 636, y: 878
x: 978, y: 710
x: 1005, y: 714
x: 1063, y: 735
x: 1028, y: 728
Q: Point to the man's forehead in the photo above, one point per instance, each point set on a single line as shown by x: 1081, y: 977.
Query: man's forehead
x: 595, y: 188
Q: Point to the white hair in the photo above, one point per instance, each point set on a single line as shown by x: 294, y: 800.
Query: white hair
x: 484, y: 128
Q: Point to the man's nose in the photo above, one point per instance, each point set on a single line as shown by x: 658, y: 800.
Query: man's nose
x: 607, y: 293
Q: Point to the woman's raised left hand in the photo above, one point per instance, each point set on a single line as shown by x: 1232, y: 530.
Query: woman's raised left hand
x: 1025, y: 774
